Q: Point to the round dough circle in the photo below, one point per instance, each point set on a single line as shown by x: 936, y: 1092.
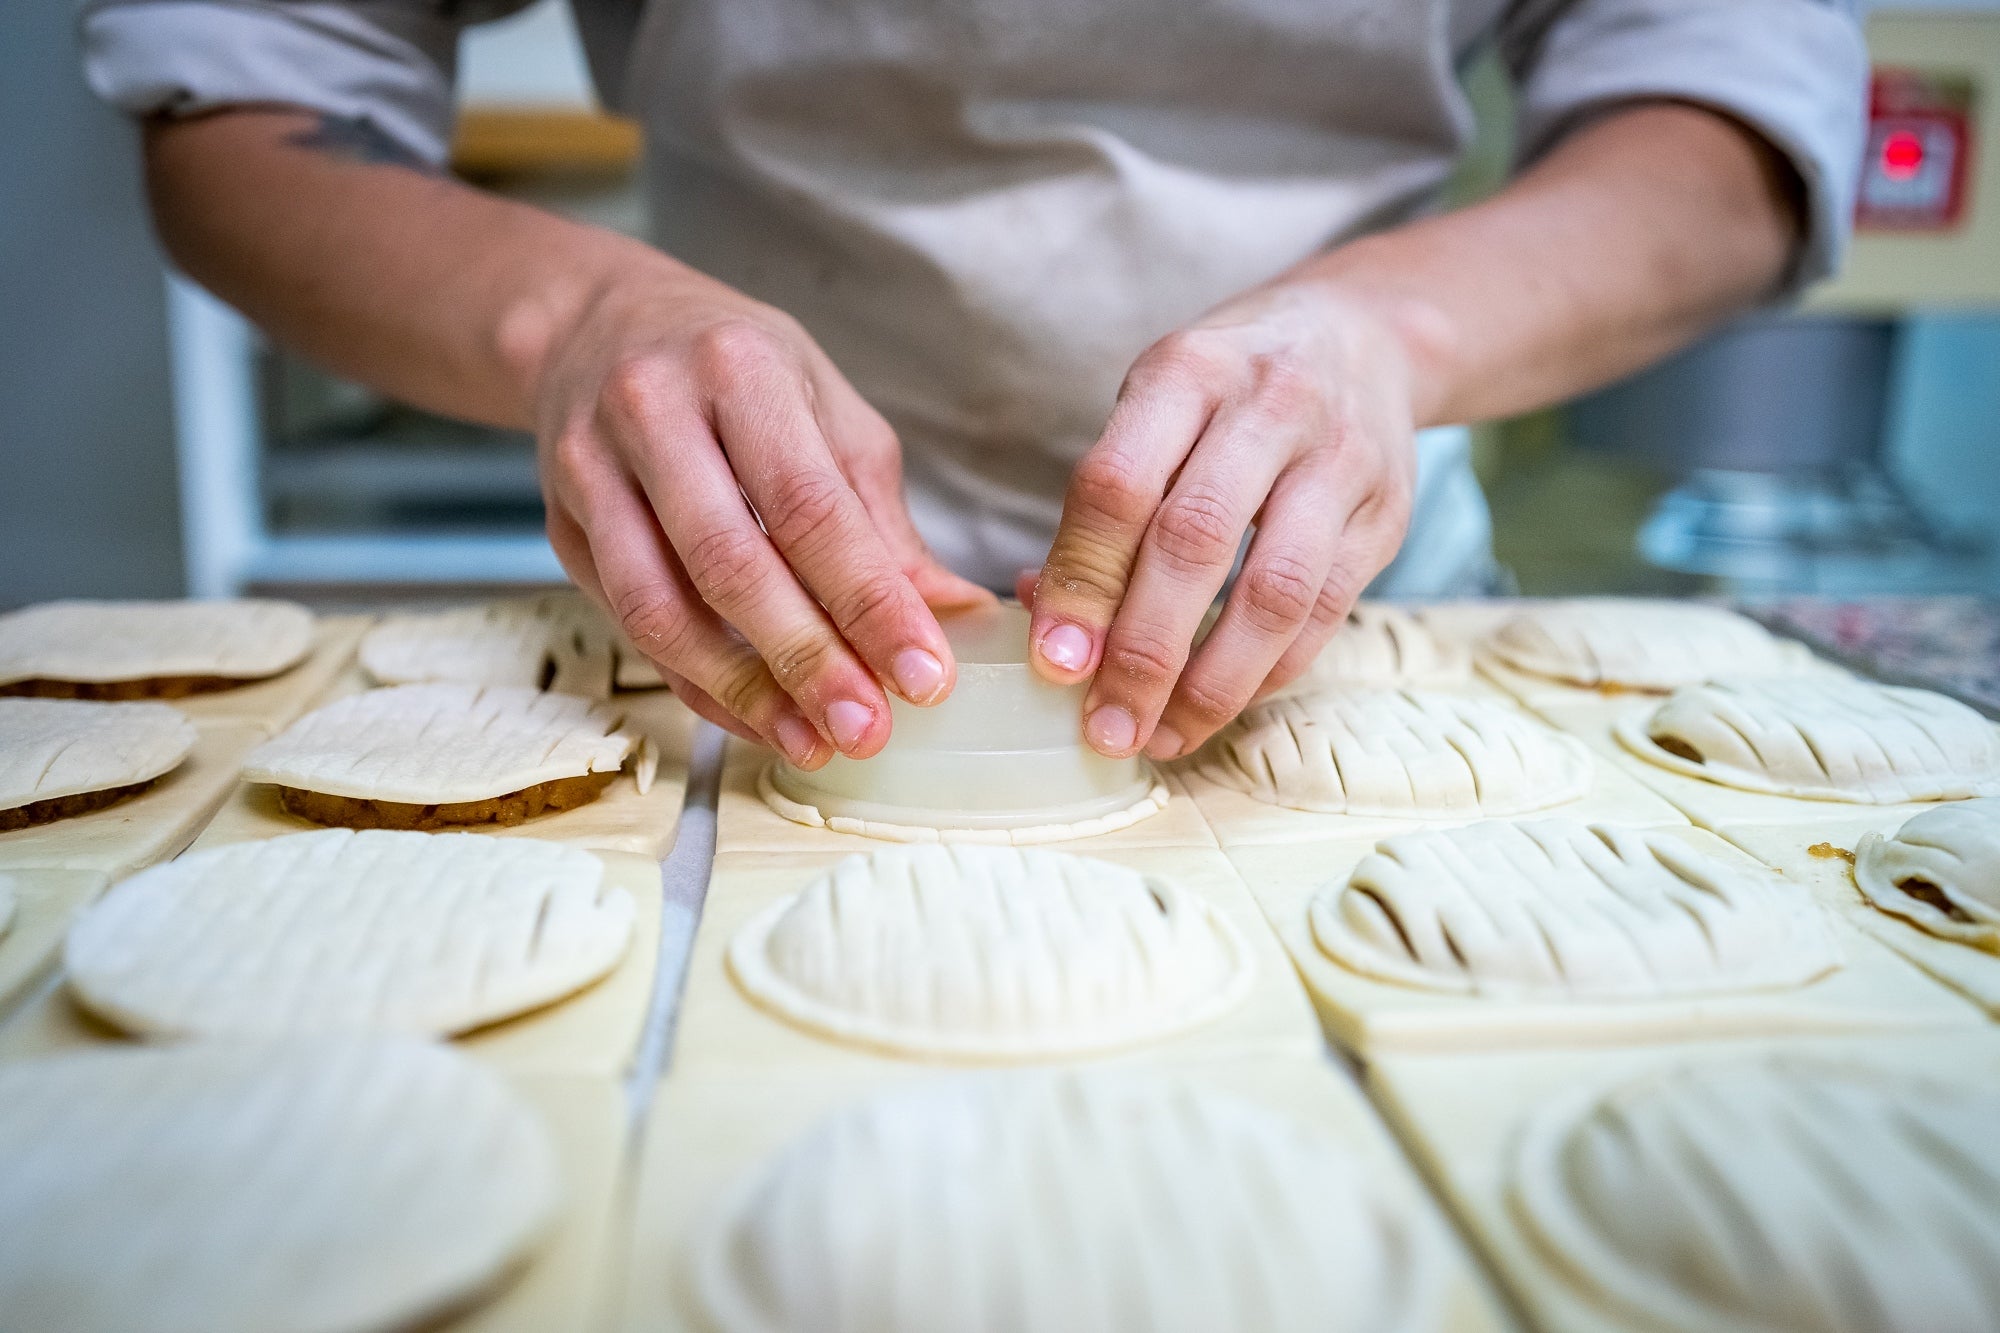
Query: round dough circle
x: 102, y: 642
x: 438, y: 743
x: 1782, y: 1194
x: 1397, y: 753
x: 1941, y: 871
x: 338, y: 931
x: 1640, y: 645
x: 980, y: 952
x: 1558, y: 910
x: 557, y: 641
x: 64, y: 747
x: 310, y: 1187
x: 1380, y: 646
x: 1823, y: 737
x: 1051, y: 1200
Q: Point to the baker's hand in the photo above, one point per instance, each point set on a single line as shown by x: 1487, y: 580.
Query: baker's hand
x: 1288, y: 410
x: 715, y: 483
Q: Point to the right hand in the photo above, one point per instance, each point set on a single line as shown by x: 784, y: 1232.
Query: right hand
x: 720, y: 488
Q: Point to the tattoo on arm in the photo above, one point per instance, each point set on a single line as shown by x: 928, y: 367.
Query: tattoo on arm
x: 358, y: 139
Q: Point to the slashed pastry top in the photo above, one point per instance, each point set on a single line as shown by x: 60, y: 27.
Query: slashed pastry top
x: 89, y: 641
x: 424, y: 744
x: 1781, y: 1193
x: 1382, y: 645
x: 1556, y: 909
x: 556, y: 641
x: 1824, y: 737
x: 1640, y: 645
x: 312, y: 1187
x: 51, y: 748
x: 1395, y: 753
x: 1064, y: 1200
x: 339, y: 931
x: 991, y: 952
x: 1941, y: 871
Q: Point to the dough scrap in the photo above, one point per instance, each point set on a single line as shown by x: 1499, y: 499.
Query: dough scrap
x: 1641, y: 645
x: 341, y: 932
x: 309, y: 1187
x: 1556, y: 909
x: 1065, y: 1200
x: 991, y: 952
x: 1382, y: 645
x: 1396, y: 753
x: 56, y: 748
x: 1825, y: 738
x: 556, y: 641
x: 1783, y: 1192
x: 1941, y: 871
x: 443, y: 743
x: 88, y: 642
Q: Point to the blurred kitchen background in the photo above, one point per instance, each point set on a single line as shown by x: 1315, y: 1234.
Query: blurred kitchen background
x: 152, y: 444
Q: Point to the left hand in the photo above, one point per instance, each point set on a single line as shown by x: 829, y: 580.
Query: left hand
x: 1288, y: 410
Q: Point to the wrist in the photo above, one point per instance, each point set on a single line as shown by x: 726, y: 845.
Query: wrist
x: 549, y: 313
x: 1362, y: 279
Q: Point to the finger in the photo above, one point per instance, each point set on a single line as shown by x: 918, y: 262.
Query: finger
x: 1367, y: 544
x: 702, y: 704
x: 1024, y: 586
x: 1161, y: 410
x: 572, y: 550
x: 786, y: 468
x: 1183, y: 562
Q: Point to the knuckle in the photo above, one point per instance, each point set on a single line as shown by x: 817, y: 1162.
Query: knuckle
x: 739, y: 687
x: 1195, y: 530
x: 725, y: 565
x: 1182, y: 359
x: 1108, y: 486
x: 1278, y: 593
x: 872, y: 601
x: 1208, y: 701
x: 1142, y: 658
x: 631, y: 387
x: 1283, y: 386
x: 731, y: 350
x: 649, y: 616
x: 805, y: 504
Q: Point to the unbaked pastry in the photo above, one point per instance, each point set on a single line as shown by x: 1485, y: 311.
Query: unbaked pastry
x: 991, y: 953
x: 1782, y: 1194
x: 1382, y: 645
x: 1941, y: 871
x: 556, y: 641
x: 62, y: 757
x: 1635, y: 644
x: 1399, y: 753
x: 1065, y: 1200
x: 1828, y: 738
x: 1555, y: 909
x: 6, y: 904
x: 311, y: 1187
x: 416, y: 754
x: 138, y: 649
x: 335, y: 931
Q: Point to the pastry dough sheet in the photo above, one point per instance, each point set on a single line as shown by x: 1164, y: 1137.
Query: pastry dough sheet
x: 1465, y: 1141
x: 1876, y: 990
x: 272, y: 704
x: 720, y: 1031
x: 704, y: 1134
x: 594, y: 1031
x: 149, y: 827
x: 44, y: 903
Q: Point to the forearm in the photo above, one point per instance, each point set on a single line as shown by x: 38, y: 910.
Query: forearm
x: 363, y: 259
x: 1631, y: 237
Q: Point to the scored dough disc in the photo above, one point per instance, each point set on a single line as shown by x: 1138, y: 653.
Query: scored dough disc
x: 1382, y: 645
x: 1555, y: 909
x: 991, y: 952
x: 101, y: 642
x: 1941, y: 871
x: 1785, y: 1193
x: 1053, y: 1200
x: 1826, y: 738
x: 1398, y: 753
x: 1641, y: 645
x: 556, y: 641
x: 430, y: 744
x: 311, y: 1187
x: 51, y: 748
x: 337, y: 931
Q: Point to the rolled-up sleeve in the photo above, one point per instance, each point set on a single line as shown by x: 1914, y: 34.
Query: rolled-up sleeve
x: 390, y: 62
x: 1794, y: 71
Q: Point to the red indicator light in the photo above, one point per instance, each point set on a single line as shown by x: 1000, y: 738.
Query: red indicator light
x: 1902, y: 155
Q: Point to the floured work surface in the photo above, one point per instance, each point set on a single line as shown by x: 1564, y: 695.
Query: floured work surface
x: 723, y: 1229
x: 44, y: 902
x: 1731, y: 1185
x: 1871, y: 990
x: 593, y: 1031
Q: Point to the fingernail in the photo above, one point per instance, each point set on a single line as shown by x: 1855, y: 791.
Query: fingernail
x: 1067, y: 647
x: 1111, y: 730
x: 918, y: 675
x: 849, y: 722
x: 1166, y: 744
x: 797, y: 739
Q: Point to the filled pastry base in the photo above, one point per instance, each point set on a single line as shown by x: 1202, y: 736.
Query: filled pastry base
x: 62, y: 807
x: 119, y: 691
x: 514, y: 807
